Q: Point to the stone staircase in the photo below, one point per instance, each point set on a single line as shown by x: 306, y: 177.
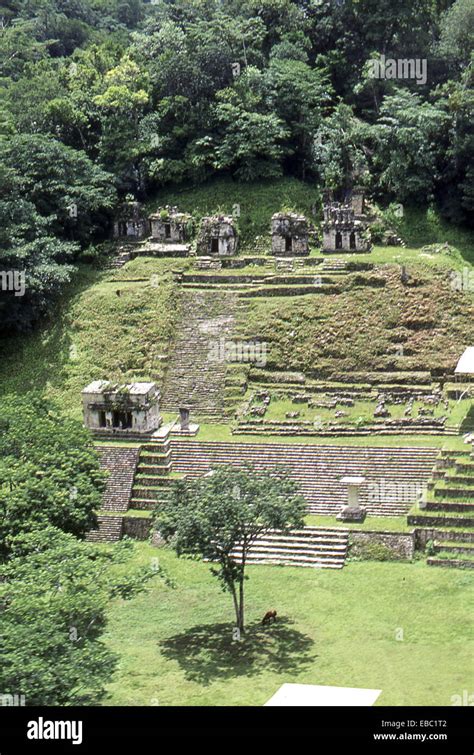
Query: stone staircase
x: 196, y: 373
x: 447, y: 514
x: 120, y: 463
x: 334, y: 265
x: 152, y: 484
x: 394, y: 476
x: 452, y: 552
x: 151, y: 248
x: 315, y: 547
x: 109, y: 529
x: 123, y: 256
x: 288, y: 264
x: 208, y: 263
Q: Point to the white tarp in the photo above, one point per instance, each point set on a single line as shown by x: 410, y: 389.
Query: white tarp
x: 316, y: 695
x: 465, y: 365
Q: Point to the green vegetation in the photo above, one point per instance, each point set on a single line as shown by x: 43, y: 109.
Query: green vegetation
x: 379, y: 523
x: 256, y: 203
x: 54, y: 589
x: 323, y: 336
x: 104, y: 329
x: 54, y: 592
x: 51, y: 202
x: 47, y: 477
x: 375, y: 552
x: 421, y: 228
x: 138, y: 513
x: 181, y: 648
x: 243, y: 107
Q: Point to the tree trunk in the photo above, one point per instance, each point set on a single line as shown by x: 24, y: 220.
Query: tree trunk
x: 241, y: 605
x: 241, y: 588
x: 236, y: 606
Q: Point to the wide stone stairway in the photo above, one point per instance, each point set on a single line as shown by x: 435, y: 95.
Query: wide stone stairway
x: 196, y: 372
x: 314, y: 546
x: 394, y: 476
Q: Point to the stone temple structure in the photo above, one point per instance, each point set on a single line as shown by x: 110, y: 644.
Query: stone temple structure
x: 169, y: 226
x: 289, y: 234
x: 112, y: 409
x: 130, y: 222
x: 342, y: 231
x: 217, y: 236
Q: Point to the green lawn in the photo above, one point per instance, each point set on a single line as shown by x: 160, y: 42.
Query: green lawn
x: 334, y: 628
x: 223, y: 433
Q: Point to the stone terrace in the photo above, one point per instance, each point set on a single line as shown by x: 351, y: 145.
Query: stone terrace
x: 393, y: 474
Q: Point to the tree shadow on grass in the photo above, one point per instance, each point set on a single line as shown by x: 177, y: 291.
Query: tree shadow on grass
x: 208, y: 652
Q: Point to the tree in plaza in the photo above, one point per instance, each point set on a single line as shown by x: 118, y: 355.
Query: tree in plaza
x: 220, y: 516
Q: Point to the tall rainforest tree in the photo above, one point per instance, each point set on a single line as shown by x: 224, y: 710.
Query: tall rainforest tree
x: 53, y: 199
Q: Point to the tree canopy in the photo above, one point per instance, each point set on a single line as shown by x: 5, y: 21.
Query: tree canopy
x: 54, y: 592
x: 49, y: 470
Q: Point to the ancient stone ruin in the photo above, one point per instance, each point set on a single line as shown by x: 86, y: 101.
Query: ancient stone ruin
x: 352, y: 511
x: 217, y: 236
x: 289, y: 234
x: 342, y: 232
x: 130, y: 222
x: 113, y: 409
x: 169, y: 226
x: 345, y: 226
